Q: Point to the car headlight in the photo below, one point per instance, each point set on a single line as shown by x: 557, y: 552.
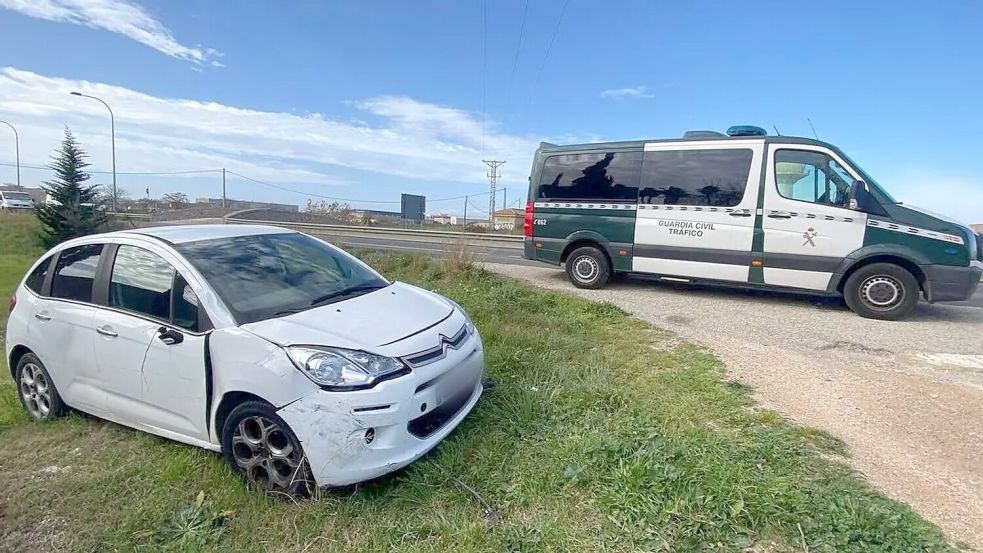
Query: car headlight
x: 343, y: 369
x: 467, y: 320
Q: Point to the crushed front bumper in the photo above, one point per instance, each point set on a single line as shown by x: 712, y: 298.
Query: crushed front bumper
x: 350, y: 437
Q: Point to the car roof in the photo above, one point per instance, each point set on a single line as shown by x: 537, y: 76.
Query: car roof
x: 181, y: 234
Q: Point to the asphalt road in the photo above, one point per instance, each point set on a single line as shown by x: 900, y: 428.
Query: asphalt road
x: 512, y: 255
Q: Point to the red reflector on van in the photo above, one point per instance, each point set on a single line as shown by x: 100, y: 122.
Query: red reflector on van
x: 527, y: 224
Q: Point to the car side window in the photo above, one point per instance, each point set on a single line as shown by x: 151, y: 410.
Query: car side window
x: 75, y: 272
x: 141, y: 282
x: 35, y: 280
x: 185, y: 305
x: 812, y: 177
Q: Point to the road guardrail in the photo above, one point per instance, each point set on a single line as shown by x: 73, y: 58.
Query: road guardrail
x: 443, y: 235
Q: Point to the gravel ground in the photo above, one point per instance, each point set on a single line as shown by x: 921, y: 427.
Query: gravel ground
x: 906, y: 397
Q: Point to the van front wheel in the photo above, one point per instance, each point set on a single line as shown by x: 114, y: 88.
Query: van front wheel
x: 588, y: 267
x: 881, y: 291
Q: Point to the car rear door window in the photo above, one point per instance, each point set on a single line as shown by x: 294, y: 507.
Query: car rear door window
x: 141, y: 282
x: 35, y: 280
x: 597, y: 176
x: 704, y: 177
x: 75, y: 273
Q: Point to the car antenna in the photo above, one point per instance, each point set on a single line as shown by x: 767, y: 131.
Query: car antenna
x: 813, y: 128
x: 776, y: 130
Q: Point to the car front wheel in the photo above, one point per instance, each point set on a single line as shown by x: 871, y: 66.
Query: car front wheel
x: 260, y: 447
x: 36, y: 391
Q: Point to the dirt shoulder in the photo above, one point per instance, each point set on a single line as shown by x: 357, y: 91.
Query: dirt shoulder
x: 906, y: 397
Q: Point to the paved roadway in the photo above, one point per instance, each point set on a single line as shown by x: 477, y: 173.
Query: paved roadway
x: 512, y: 255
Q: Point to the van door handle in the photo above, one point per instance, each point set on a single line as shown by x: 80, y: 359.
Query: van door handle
x: 106, y: 330
x: 740, y: 214
x: 779, y: 215
x: 42, y: 316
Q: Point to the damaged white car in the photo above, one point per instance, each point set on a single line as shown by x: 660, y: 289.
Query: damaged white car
x: 297, y: 361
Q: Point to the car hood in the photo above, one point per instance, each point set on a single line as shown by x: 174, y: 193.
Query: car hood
x: 370, y: 320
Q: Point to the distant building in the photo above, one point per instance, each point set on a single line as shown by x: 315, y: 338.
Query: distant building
x: 507, y: 219
x: 440, y: 219
x: 376, y: 215
x: 244, y: 204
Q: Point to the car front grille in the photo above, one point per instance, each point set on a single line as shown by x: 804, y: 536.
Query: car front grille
x: 425, y: 426
x: 430, y: 355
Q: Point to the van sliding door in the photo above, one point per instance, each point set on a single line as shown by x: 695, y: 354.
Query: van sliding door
x: 696, y: 209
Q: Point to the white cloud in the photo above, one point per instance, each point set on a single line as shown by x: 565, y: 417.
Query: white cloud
x: 635, y: 92
x: 116, y: 16
x: 408, y: 138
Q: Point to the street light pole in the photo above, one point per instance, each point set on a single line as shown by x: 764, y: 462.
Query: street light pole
x: 16, y: 149
x: 112, y: 137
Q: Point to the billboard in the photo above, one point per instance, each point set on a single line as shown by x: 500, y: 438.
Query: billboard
x: 413, y: 207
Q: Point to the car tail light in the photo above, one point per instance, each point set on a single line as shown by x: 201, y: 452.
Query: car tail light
x: 12, y: 304
x: 527, y: 224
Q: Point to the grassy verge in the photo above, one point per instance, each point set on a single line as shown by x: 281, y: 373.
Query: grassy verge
x: 603, y: 434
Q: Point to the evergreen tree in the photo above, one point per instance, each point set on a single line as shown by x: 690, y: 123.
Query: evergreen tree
x: 72, y: 208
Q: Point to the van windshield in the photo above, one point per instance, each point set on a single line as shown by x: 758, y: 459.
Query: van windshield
x: 272, y: 275
x: 16, y: 196
x: 868, y: 179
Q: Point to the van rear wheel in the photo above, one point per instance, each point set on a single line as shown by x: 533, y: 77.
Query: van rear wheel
x: 881, y: 291
x: 588, y: 267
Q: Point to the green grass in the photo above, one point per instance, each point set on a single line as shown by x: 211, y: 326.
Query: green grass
x: 602, y: 434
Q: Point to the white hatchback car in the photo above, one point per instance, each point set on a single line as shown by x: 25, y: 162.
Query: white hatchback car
x: 297, y: 361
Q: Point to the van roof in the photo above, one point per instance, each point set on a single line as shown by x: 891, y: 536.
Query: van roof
x: 630, y: 144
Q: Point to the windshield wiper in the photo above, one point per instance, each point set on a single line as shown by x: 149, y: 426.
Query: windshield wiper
x: 346, y: 292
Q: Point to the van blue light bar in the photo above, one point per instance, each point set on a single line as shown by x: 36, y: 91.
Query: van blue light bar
x: 746, y: 130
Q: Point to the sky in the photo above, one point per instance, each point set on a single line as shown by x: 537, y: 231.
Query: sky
x: 365, y: 100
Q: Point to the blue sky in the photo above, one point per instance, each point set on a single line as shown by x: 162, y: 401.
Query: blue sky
x: 364, y: 100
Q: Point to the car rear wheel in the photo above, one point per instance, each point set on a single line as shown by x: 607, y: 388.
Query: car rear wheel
x: 260, y: 447
x: 588, y: 267
x: 36, y: 391
x: 881, y: 291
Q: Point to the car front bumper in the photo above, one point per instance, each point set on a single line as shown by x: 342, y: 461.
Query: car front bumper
x: 405, y: 417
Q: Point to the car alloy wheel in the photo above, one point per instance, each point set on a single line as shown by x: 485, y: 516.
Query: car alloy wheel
x: 35, y: 391
x: 265, y: 454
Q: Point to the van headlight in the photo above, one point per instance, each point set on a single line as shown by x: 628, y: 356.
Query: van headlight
x: 344, y: 369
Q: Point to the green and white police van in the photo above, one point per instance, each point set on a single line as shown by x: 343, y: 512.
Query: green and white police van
x: 746, y: 209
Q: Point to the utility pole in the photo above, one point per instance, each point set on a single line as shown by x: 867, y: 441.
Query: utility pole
x: 505, y: 198
x: 465, y: 225
x: 16, y: 149
x: 223, y: 187
x: 493, y: 175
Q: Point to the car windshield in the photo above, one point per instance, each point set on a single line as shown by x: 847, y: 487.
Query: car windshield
x: 16, y: 196
x: 271, y: 275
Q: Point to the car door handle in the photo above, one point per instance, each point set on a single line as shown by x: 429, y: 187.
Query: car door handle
x: 169, y: 337
x: 780, y: 215
x: 106, y: 330
x: 42, y: 316
x: 740, y: 214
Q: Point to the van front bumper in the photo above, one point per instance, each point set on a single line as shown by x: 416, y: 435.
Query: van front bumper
x: 945, y: 283
x: 350, y: 437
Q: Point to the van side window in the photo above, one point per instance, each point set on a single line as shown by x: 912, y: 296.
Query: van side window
x: 812, y: 177
x: 75, y: 272
x: 604, y: 176
x: 35, y: 280
x: 707, y: 177
x: 141, y: 282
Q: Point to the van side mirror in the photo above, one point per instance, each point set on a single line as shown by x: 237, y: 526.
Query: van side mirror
x: 857, y: 189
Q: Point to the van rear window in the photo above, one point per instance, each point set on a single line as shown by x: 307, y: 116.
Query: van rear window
x: 706, y: 177
x: 608, y: 176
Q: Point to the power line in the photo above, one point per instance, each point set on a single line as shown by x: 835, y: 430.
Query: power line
x: 515, y: 59
x: 549, y: 48
x: 43, y: 168
x: 484, y: 76
x: 322, y: 196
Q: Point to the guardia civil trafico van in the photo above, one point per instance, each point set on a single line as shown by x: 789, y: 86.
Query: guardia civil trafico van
x: 746, y: 209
